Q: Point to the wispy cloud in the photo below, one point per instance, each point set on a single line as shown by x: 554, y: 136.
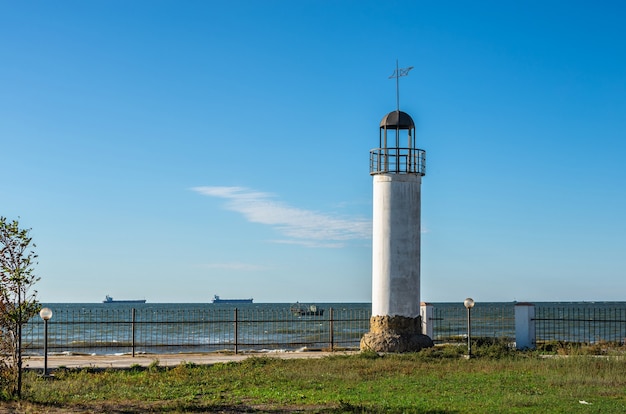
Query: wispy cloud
x: 233, y: 266
x: 299, y: 226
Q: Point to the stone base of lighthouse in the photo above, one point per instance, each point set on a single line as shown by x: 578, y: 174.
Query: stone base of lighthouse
x: 395, y: 334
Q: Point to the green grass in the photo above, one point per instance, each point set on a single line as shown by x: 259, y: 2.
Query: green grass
x: 437, y: 380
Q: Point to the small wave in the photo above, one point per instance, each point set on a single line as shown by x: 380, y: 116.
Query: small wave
x: 71, y: 353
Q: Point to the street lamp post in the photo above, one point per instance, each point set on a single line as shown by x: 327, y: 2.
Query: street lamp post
x: 469, y: 304
x: 45, y: 314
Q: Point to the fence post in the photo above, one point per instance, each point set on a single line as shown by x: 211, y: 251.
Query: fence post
x: 525, y: 335
x: 132, y: 328
x: 426, y: 312
x: 332, y: 335
x: 236, y: 330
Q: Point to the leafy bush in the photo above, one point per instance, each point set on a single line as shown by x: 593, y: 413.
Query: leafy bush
x: 576, y: 348
x: 443, y: 352
x: 493, y: 347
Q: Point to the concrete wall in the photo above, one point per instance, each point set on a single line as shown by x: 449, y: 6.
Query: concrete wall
x: 427, y: 311
x: 396, y: 245
x: 525, y: 335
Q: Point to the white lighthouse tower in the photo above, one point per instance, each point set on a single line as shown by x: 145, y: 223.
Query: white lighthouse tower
x: 397, y: 167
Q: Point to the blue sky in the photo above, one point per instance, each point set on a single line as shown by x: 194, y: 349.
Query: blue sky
x: 173, y: 150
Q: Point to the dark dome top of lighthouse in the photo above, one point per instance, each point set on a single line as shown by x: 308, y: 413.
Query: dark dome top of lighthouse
x: 393, y: 121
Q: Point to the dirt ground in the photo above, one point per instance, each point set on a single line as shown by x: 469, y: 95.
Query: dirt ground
x: 164, y: 360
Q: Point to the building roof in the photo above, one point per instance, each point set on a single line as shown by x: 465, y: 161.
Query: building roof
x: 391, y: 121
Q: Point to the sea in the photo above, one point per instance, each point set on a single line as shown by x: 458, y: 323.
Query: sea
x: 124, y: 328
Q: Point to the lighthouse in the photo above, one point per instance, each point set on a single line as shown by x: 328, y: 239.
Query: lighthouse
x: 397, y: 167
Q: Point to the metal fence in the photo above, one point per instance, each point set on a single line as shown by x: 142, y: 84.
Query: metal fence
x: 133, y: 331
x: 581, y: 324
x: 491, y: 321
x: 170, y: 331
x: 572, y: 322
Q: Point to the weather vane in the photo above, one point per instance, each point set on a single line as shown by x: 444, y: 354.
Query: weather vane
x: 399, y: 72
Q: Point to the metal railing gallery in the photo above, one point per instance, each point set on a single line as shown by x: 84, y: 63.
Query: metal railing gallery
x: 398, y: 160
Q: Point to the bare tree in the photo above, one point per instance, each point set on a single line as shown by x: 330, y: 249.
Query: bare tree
x: 18, y: 301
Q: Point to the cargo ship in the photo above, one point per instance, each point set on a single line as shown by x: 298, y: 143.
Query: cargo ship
x: 109, y: 299
x: 217, y: 299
